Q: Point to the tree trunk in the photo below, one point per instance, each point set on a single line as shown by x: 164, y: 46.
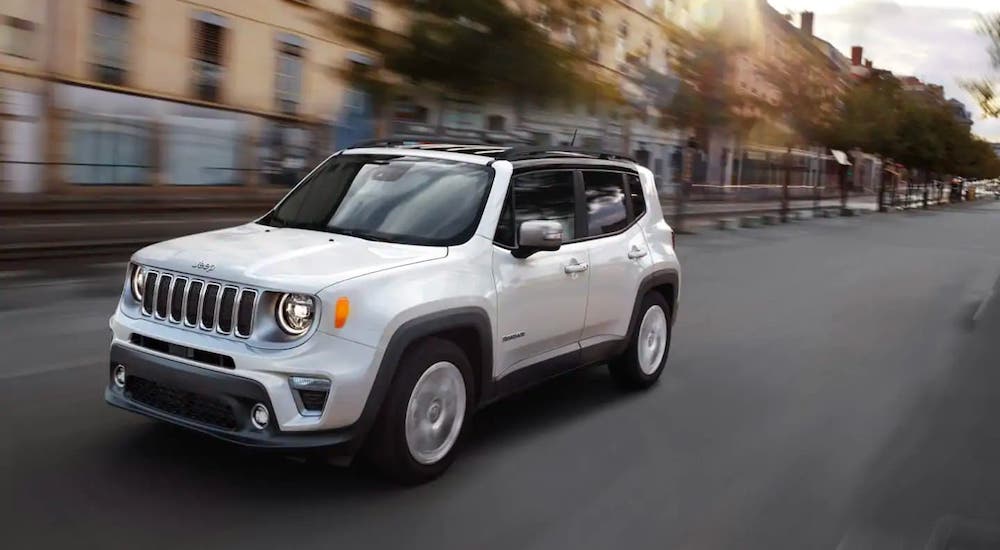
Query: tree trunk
x: 784, y: 186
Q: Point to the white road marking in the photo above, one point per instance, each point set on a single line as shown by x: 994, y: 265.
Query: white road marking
x: 982, y: 307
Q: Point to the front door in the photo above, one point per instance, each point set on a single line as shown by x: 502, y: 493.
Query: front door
x: 542, y: 299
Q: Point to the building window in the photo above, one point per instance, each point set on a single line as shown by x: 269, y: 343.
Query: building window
x: 496, y: 123
x: 621, y: 46
x: 109, y: 150
x: 462, y: 115
x: 409, y: 111
x: 543, y: 17
x: 111, y: 22
x: 209, y: 37
x: 569, y: 35
x: 355, y: 100
x: 362, y: 9
x: 16, y: 36
x: 288, y: 77
x: 594, y: 43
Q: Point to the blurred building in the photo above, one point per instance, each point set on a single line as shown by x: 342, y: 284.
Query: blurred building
x: 931, y: 92
x: 133, y: 97
x: 142, y: 94
x: 776, y: 48
x: 633, y: 46
x: 147, y: 96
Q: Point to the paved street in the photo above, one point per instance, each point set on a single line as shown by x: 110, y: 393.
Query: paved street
x: 832, y: 384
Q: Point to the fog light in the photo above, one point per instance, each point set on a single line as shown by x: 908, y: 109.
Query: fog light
x: 259, y: 416
x: 119, y: 376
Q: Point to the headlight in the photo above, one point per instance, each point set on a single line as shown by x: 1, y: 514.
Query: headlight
x: 138, y: 282
x: 295, y: 313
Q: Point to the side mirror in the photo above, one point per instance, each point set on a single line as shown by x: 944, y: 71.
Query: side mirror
x: 536, y: 236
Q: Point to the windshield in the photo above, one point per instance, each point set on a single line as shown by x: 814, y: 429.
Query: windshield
x: 409, y: 200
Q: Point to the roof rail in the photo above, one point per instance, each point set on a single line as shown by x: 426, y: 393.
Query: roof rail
x: 404, y: 142
x: 529, y: 152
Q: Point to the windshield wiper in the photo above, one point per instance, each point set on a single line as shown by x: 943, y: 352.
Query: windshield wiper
x: 275, y: 221
x: 354, y: 233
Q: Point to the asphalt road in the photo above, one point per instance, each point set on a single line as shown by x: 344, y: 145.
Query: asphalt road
x: 832, y: 384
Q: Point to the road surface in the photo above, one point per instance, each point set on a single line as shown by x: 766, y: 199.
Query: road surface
x: 832, y: 384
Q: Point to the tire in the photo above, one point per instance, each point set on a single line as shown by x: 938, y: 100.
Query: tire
x: 432, y: 371
x: 638, y: 367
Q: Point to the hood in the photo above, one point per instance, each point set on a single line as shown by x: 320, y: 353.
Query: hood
x: 288, y: 259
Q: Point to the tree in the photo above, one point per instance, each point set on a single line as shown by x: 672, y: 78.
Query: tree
x: 706, y: 98
x: 984, y: 90
x: 869, y: 116
x: 481, y: 48
x: 807, y: 105
x: 878, y: 116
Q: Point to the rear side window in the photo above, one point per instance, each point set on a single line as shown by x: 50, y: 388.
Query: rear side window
x: 547, y: 195
x: 636, y: 196
x: 606, y: 210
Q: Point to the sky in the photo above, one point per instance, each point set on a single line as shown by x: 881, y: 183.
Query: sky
x: 934, y: 40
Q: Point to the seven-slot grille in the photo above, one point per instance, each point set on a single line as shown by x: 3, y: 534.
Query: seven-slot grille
x: 209, y: 305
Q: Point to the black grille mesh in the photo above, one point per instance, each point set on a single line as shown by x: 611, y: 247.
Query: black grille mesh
x: 177, y: 300
x: 226, y: 309
x: 148, y: 293
x: 208, y: 306
x: 192, y: 406
x: 214, y: 306
x: 194, y: 298
x: 244, y: 314
x: 162, y: 293
x: 312, y: 400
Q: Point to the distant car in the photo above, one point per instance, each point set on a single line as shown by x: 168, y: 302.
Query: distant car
x: 395, y: 290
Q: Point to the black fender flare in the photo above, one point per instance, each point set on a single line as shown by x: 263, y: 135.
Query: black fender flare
x: 659, y: 278
x: 413, y: 330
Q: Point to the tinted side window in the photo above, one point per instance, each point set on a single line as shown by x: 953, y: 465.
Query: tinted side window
x: 606, y: 212
x: 505, y: 226
x: 636, y: 196
x: 546, y: 196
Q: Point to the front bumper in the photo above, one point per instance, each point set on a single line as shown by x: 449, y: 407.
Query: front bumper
x: 211, y: 402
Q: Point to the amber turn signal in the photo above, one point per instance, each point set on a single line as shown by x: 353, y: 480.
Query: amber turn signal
x: 341, y: 311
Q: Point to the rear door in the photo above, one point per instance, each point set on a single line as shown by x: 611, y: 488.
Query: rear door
x: 618, y: 251
x: 542, y: 299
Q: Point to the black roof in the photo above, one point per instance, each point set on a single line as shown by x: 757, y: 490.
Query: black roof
x: 496, y: 151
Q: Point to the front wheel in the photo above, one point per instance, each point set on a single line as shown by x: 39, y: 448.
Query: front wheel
x: 424, y: 413
x: 642, y: 363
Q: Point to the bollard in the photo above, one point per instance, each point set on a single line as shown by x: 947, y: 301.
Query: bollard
x: 726, y: 223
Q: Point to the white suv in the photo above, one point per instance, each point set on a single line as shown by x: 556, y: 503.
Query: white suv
x: 395, y: 290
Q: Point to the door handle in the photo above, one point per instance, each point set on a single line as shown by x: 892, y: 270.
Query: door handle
x: 636, y: 253
x: 575, y: 267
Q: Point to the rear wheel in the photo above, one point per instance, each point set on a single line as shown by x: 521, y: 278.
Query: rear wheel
x: 642, y: 363
x: 424, y: 413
